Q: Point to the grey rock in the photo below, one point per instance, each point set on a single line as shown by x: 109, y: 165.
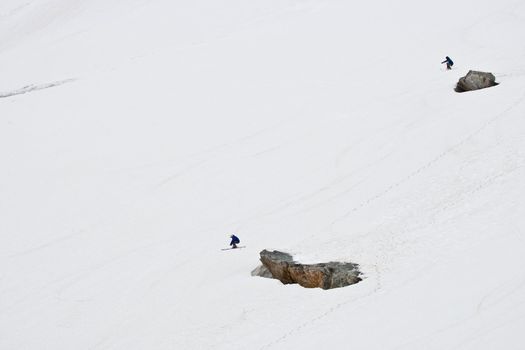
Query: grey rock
x: 262, y: 271
x: 475, y: 80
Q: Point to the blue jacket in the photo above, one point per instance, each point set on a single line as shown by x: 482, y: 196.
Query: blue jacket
x: 235, y: 240
x: 448, y: 60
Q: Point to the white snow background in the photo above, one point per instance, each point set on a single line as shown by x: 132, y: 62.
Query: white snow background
x: 136, y: 136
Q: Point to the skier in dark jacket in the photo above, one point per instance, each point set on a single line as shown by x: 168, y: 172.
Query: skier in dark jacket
x: 235, y: 241
x: 449, y: 62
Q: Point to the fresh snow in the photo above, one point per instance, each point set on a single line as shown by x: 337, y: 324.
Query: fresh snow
x: 324, y: 128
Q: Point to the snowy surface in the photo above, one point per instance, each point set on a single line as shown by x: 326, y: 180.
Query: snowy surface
x: 136, y: 135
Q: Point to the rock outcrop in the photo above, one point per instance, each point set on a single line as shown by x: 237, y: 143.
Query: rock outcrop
x: 329, y: 275
x: 475, y: 80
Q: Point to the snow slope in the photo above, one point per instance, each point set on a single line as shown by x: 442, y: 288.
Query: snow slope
x: 136, y: 135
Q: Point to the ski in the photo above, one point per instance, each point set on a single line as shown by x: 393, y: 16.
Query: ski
x: 238, y: 247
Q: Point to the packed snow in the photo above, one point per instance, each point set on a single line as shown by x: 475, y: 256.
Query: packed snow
x: 136, y: 136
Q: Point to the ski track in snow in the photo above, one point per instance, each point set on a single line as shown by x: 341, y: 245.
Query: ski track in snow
x: 506, y: 293
x: 429, y: 164
x: 354, y: 300
x: 32, y: 88
x: 481, y: 185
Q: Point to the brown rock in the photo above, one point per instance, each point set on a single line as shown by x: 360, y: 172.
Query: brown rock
x: 324, y: 275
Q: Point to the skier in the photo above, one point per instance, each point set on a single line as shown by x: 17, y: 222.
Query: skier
x: 235, y: 241
x: 449, y: 62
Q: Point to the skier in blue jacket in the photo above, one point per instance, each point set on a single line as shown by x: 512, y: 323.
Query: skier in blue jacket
x: 449, y: 62
x: 235, y: 241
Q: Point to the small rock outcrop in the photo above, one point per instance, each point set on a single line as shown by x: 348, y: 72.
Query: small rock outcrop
x: 329, y: 275
x: 475, y: 80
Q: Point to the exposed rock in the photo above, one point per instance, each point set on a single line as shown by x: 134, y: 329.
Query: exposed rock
x: 329, y: 275
x: 475, y: 80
